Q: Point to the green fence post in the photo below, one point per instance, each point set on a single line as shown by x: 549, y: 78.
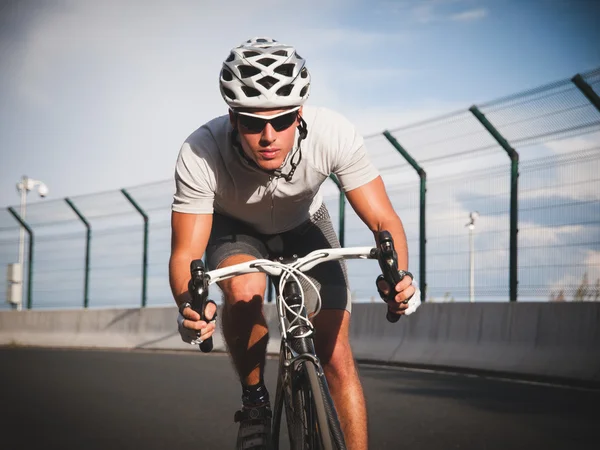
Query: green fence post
x: 587, y: 90
x: 342, y: 210
x: 145, y: 257
x: 30, y: 268
x: 86, y: 300
x: 422, y: 209
x: 514, y: 202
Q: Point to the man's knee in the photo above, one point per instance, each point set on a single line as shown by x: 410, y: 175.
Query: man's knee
x: 248, y: 288
x: 245, y: 288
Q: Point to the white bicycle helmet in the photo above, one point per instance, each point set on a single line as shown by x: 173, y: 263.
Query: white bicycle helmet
x: 263, y: 73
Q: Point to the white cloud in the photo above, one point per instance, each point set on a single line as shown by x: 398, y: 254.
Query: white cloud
x: 548, y: 178
x: 445, y: 10
x: 375, y: 119
x: 570, y: 145
x: 469, y: 16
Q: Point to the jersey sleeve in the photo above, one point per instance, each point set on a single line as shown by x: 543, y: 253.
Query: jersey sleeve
x: 194, y: 181
x: 351, y: 164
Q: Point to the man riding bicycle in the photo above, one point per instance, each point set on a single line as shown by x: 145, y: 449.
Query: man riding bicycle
x: 247, y: 187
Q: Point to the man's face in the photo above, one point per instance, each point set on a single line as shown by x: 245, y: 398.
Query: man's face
x: 268, y: 135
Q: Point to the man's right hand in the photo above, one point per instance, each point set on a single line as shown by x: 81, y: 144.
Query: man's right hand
x: 191, y: 328
x: 407, y: 296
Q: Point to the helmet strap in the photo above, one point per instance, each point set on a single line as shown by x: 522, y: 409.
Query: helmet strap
x: 295, y: 157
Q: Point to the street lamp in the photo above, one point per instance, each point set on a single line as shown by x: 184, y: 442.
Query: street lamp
x: 471, y: 225
x: 24, y: 186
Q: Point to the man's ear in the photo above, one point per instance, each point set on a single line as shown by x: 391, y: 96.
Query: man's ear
x: 233, y: 119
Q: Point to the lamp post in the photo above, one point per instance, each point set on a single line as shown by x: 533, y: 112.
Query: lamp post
x: 24, y: 186
x: 471, y: 225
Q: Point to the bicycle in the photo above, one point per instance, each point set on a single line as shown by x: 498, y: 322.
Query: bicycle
x: 302, y: 389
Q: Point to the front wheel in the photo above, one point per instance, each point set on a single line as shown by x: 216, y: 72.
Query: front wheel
x: 313, y: 423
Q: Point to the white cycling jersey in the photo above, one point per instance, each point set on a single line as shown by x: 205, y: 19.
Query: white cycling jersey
x: 211, y: 175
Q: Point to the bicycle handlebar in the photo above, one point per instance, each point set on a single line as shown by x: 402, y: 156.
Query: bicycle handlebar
x: 201, y: 279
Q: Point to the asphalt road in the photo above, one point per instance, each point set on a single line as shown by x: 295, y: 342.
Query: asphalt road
x: 97, y: 399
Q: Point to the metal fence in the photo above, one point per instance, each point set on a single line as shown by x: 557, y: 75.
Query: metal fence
x: 528, y: 164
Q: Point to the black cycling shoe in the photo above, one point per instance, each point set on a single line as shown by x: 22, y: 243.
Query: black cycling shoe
x: 255, y: 427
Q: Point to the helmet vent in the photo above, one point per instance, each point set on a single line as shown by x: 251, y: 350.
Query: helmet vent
x: 250, y: 92
x: 285, y: 70
x: 263, y: 73
x: 268, y: 82
x: 229, y: 93
x: 285, y: 90
x: 247, y: 71
x: 266, y: 61
x: 226, y: 75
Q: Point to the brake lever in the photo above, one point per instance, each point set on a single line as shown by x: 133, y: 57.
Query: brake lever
x: 388, y: 262
x: 198, y: 287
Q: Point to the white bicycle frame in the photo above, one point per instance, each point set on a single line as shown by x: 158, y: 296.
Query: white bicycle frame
x: 293, y: 270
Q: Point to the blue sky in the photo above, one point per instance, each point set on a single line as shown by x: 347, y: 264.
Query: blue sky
x: 97, y: 96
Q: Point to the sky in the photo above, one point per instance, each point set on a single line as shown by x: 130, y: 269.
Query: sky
x: 96, y: 96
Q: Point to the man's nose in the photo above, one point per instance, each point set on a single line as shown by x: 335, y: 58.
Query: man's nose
x: 268, y: 134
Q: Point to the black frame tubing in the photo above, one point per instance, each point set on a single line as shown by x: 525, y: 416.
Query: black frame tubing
x: 287, y: 387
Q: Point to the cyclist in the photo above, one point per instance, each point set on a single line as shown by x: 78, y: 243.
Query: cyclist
x: 247, y: 187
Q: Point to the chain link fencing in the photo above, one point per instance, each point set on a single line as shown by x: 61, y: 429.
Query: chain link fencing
x: 443, y: 170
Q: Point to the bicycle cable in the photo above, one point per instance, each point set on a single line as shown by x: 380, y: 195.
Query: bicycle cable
x: 290, y: 271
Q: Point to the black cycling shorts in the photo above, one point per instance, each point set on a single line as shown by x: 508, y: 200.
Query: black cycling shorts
x: 232, y: 237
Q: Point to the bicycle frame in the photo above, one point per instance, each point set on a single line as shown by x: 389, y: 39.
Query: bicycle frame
x: 298, y: 360
x: 297, y: 347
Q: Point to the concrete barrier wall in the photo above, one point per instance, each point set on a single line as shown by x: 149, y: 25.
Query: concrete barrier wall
x: 135, y: 328
x: 538, y: 339
x: 560, y: 340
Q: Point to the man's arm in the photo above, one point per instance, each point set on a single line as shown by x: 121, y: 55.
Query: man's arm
x: 373, y: 206
x: 189, y: 238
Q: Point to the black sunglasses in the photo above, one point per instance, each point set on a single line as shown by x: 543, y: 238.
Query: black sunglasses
x: 254, y: 123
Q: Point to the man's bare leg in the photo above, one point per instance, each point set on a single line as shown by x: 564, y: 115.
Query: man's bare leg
x: 333, y: 349
x: 244, y: 325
